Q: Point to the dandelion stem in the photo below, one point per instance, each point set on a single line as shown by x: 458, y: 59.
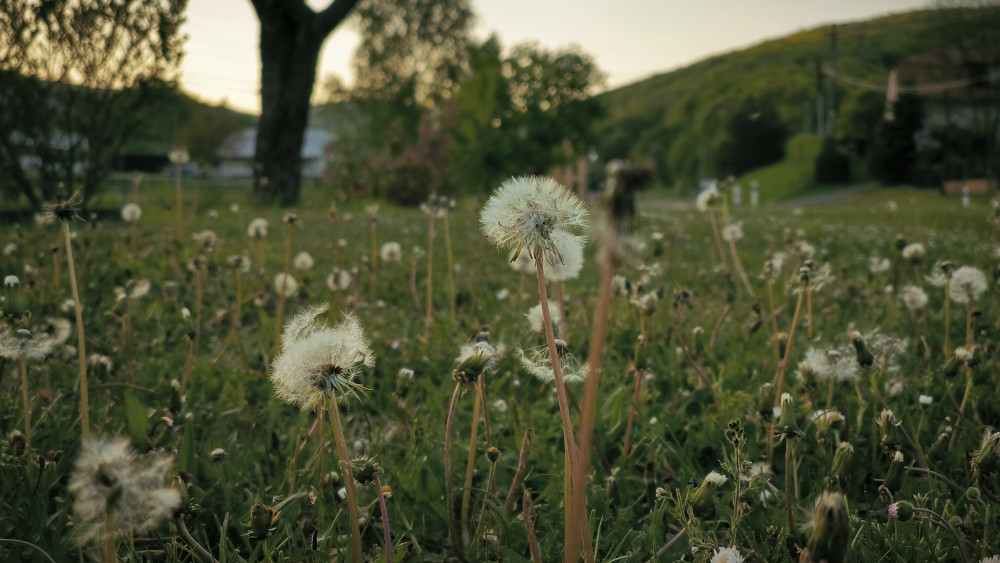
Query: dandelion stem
x: 81, y: 349
x: 568, y: 441
x: 348, y: 477
x: 809, y: 312
x: 373, y: 279
x: 386, y: 533
x: 430, y: 278
x: 522, y: 469
x: 961, y: 408
x: 789, y: 492
x: 774, y: 321
x: 201, y: 551
x: 529, y: 528
x: 279, y: 316
x: 471, y: 462
x: 677, y: 537
x: 739, y: 269
x: 110, y: 551
x: 451, y: 266
x: 947, y: 318
x: 780, y: 376
x: 26, y: 395
x: 449, y: 489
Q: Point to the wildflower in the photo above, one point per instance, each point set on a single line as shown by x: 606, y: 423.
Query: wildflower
x: 707, y: 197
x: 534, y: 316
x: 914, y: 297
x: 131, y: 212
x: 66, y: 210
x: 285, y: 283
x: 914, y: 252
x: 830, y: 527
x: 206, y: 239
x: 303, y: 261
x: 109, y: 479
x: 842, y: 460
x: 538, y: 363
x: 727, y: 555
x: 474, y: 359
x: 139, y: 290
x: 878, y: 265
x: 967, y: 285
x: 701, y: 498
x: 339, y: 280
x: 258, y: 228
x: 319, y: 361
x: 901, y: 511
x: 733, y: 231
x: 536, y: 213
x: 390, y: 252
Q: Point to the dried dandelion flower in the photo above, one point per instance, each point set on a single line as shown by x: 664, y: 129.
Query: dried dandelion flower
x: 285, y: 283
x: 534, y: 213
x: 914, y: 252
x: 914, y: 297
x: 258, y: 228
x: 878, y: 265
x: 570, y: 266
x: 109, y: 476
x: 339, y: 280
x: 318, y: 360
x: 303, y: 261
x: 206, y: 239
x: 27, y: 346
x: 131, y: 212
x: 538, y: 363
x: 473, y: 360
x: 830, y: 529
x: 733, y: 231
x: 967, y: 285
x: 707, y: 197
x: 390, y: 252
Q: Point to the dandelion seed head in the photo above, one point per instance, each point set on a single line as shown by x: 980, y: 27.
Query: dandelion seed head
x: 318, y: 360
x: 131, y: 212
x: 303, y: 261
x: 733, y: 231
x: 206, y: 239
x: 258, y: 228
x: 339, y: 280
x: 285, y: 283
x: 914, y: 251
x: 878, y: 265
x: 390, y: 252
x: 538, y: 363
x: 967, y: 285
x: 914, y: 297
x: 534, y: 213
x: 108, y: 474
x: 707, y: 197
x: 715, y: 479
x: 726, y: 555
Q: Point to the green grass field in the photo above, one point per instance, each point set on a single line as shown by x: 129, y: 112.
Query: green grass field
x: 647, y: 500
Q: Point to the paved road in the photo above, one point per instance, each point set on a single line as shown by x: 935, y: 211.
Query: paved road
x: 806, y: 201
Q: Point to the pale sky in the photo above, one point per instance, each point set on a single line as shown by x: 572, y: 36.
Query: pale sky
x: 629, y: 39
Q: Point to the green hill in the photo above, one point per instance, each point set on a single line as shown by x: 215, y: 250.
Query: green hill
x: 678, y: 122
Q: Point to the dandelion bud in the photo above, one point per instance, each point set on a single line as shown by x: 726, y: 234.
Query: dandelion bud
x: 17, y: 442
x: 901, y: 511
x: 894, y: 476
x: 842, y: 461
x: 493, y: 454
x: 14, y: 306
x: 701, y: 498
x: 887, y: 423
x: 365, y: 470
x: 865, y: 358
x: 640, y: 354
x: 973, y: 494
x: 219, y: 454
x: 804, y: 273
x: 697, y: 334
x: 951, y: 368
x: 986, y: 459
x: 787, y: 423
x: 681, y: 297
x: 290, y: 218
x: 765, y: 396
x: 262, y: 517
x: 831, y: 529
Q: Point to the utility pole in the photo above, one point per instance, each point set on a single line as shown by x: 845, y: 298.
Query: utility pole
x: 831, y: 83
x: 820, y: 105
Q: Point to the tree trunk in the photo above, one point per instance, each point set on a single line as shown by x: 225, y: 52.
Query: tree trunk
x: 291, y: 35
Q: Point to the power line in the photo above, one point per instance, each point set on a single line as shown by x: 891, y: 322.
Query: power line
x: 928, y: 88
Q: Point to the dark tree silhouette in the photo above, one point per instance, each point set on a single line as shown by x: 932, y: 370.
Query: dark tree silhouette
x: 291, y: 35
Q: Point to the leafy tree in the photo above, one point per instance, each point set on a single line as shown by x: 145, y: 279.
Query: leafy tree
x: 893, y: 152
x: 75, y: 80
x: 291, y: 35
x: 754, y: 136
x: 535, y: 114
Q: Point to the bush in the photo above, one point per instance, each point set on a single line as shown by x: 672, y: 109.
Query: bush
x: 832, y: 165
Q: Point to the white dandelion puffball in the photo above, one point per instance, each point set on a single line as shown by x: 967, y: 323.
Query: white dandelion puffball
x: 707, y: 197
x: 967, y: 284
x: 339, y: 280
x: 538, y: 363
x: 257, y: 228
x: 390, y: 252
x: 286, y: 284
x: 318, y: 360
x: 303, y: 261
x: 570, y: 266
x: 109, y: 476
x: 914, y: 251
x: 914, y: 297
x: 536, y: 214
x: 535, y: 319
x: 727, y: 555
x: 733, y: 231
x: 206, y: 239
x: 131, y: 212
x: 878, y: 265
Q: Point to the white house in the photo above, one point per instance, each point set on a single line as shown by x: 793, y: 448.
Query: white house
x: 236, y: 154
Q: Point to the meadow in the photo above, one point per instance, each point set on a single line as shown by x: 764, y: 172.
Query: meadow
x: 748, y: 409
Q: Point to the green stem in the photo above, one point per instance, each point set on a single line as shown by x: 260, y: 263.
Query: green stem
x: 941, y: 522
x: 81, y: 344
x: 357, y: 556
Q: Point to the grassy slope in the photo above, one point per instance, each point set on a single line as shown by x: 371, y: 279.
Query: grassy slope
x: 673, y: 119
